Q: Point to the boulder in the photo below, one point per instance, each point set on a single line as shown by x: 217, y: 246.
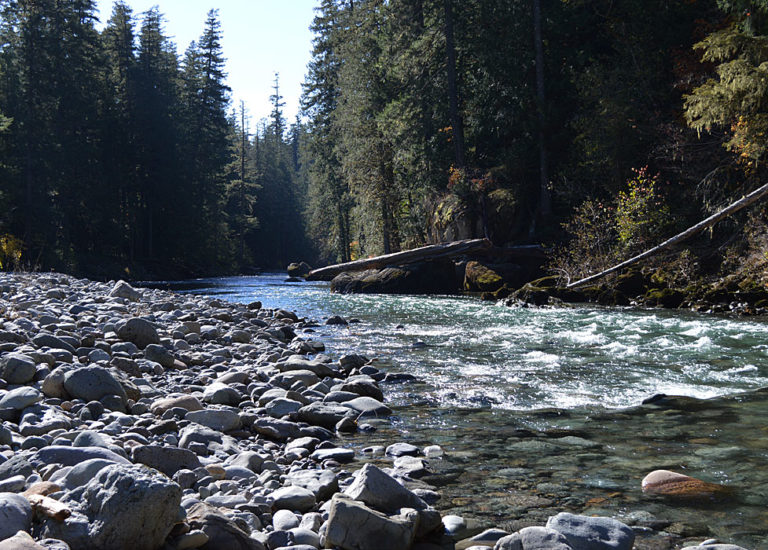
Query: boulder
x: 322, y: 483
x: 20, y: 398
x: 221, y: 394
x: 480, y: 277
x: 381, y: 491
x: 15, y: 514
x: 298, y: 269
x: 17, y: 368
x: 168, y: 460
x: 92, y: 383
x: 124, y: 290
x: 353, y: 525
x: 592, y: 533
x: 293, y: 498
x: 139, y: 331
x: 221, y: 531
x: 433, y: 277
x: 533, y: 538
x: 124, y: 507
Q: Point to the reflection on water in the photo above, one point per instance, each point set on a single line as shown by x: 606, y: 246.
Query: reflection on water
x: 539, y: 409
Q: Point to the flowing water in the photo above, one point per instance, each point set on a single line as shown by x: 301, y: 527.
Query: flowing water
x: 539, y: 410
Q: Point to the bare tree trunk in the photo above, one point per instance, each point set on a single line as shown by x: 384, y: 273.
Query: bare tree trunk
x: 752, y: 198
x: 545, y: 201
x: 453, y: 94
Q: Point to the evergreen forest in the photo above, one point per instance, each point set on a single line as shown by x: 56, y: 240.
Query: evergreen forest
x: 595, y: 127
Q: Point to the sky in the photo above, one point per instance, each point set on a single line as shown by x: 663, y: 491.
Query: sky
x: 259, y: 38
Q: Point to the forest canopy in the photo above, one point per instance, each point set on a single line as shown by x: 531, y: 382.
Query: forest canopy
x: 609, y: 122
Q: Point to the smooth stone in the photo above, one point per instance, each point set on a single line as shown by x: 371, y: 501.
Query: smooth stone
x: 168, y: 460
x: 71, y: 456
x: 221, y: 531
x: 15, y: 514
x: 92, y: 383
x: 21, y: 541
x: 411, y: 466
x: 381, y: 491
x: 216, y: 419
x: 90, y: 438
x: 275, y: 428
x: 81, y: 473
x: 159, y: 354
x: 283, y: 520
x: 305, y: 537
x: 226, y: 501
x: 338, y: 454
x: 293, y: 498
x: 42, y: 419
x: 351, y: 524
x: 53, y: 342
x: 221, y: 394
x: 323, y: 414
x: 125, y: 290
x: 193, y: 539
x: 17, y: 368
x: 98, y: 355
x: 282, y: 407
x: 402, y: 449
x: 322, y: 483
x: 592, y: 533
x: 533, y: 538
x: 682, y: 487
x: 247, y: 459
x: 13, y: 484
x: 138, y: 331
x: 20, y: 398
x: 186, y: 402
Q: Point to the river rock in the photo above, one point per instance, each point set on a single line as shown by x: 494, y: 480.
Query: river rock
x: 42, y: 419
x: 247, y: 459
x: 15, y: 514
x: 139, y: 331
x: 20, y: 398
x: 592, y: 533
x: 534, y: 538
x: 364, y: 386
x: 216, y: 419
x: 221, y: 394
x: 353, y: 525
x: 92, y: 383
x: 714, y: 546
x: 381, y: 491
x: 298, y: 269
x: 293, y: 498
x: 368, y: 406
x: 323, y: 414
x: 159, y: 354
x: 682, y: 487
x: 44, y: 340
x: 322, y: 483
x: 480, y: 277
x: 124, y: 507
x: 168, y: 460
x: 125, y: 290
x: 282, y: 407
x: 221, y: 531
x: 80, y: 473
x: 186, y: 402
x: 70, y: 456
x: 13, y: 484
x: 339, y: 454
x: 17, y: 368
x: 21, y: 541
x: 283, y: 520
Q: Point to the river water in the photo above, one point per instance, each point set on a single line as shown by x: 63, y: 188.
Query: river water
x: 539, y: 410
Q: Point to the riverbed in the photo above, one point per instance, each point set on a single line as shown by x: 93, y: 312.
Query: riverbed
x: 540, y: 410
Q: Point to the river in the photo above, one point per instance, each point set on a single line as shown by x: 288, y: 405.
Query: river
x: 538, y: 410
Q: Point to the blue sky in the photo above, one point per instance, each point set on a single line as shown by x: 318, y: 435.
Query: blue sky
x: 260, y: 37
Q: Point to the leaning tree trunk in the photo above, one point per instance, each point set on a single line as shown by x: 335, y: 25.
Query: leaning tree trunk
x: 752, y: 198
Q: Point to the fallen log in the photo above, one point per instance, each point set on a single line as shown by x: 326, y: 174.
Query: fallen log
x: 431, y: 252
x: 752, y: 198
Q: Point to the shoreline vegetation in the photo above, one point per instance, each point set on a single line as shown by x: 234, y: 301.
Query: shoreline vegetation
x: 138, y: 418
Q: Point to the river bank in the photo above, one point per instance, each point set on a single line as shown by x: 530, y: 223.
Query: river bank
x: 220, y: 398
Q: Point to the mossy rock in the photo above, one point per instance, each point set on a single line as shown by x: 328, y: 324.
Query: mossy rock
x: 633, y: 283
x: 478, y: 276
x: 664, y: 297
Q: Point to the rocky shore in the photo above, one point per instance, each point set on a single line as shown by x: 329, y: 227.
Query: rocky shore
x: 143, y: 419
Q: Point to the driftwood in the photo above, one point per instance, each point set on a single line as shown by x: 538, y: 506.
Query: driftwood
x: 431, y: 252
x: 49, y: 507
x: 752, y: 198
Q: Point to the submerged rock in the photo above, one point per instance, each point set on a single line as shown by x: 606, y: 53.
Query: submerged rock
x: 677, y: 486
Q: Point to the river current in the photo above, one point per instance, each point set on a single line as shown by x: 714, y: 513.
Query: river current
x: 539, y: 410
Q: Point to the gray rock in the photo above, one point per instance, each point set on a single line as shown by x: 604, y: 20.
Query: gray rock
x: 41, y: 419
x: 81, y: 473
x: 139, y: 331
x: 168, y: 460
x: 323, y: 414
x: 71, y: 456
x: 283, y: 520
x: 198, y: 434
x: 17, y: 368
x: 20, y: 398
x: 222, y: 394
x: 282, y: 407
x: 90, y: 438
x: 50, y: 341
x: 123, y: 507
x: 288, y: 379
x: 592, y: 533
x: 53, y: 385
x: 323, y: 483
x: 98, y: 355
x: 13, y: 484
x: 364, y: 386
x: 221, y: 531
x: 402, y: 449
x: 15, y: 514
x: 22, y: 541
x: 274, y: 428
x: 247, y: 459
x: 293, y: 498
x: 533, y: 538
x: 381, y: 491
x: 351, y: 524
x: 187, y: 402
x: 305, y: 538
x: 297, y: 363
x: 220, y: 420
x: 18, y: 464
x: 338, y: 454
x: 124, y: 290
x: 92, y: 383
x: 159, y: 354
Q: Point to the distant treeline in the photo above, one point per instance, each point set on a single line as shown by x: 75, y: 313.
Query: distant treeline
x: 116, y: 153
x: 424, y: 120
